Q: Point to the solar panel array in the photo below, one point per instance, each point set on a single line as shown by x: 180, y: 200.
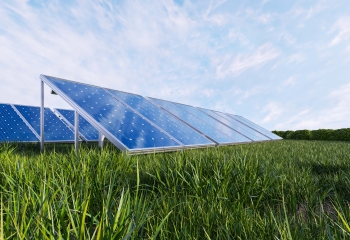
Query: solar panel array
x: 138, y: 124
x: 20, y: 123
x: 132, y: 122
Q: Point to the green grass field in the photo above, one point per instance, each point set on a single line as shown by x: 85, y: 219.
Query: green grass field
x: 274, y: 190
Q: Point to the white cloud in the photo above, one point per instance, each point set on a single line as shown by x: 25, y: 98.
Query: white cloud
x: 289, y: 82
x: 294, y: 121
x: 273, y: 110
x: 297, y: 58
x: 264, y: 18
x: 342, y: 29
x: 340, y: 111
x: 241, y: 62
x: 236, y: 35
x: 335, y: 115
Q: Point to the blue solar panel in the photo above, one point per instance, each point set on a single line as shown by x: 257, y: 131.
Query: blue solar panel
x: 118, y: 123
x: 173, y: 126
x: 13, y: 128
x: 238, y: 126
x: 195, y: 122
x: 255, y: 126
x: 237, y: 137
x: 88, y: 132
x: 55, y: 129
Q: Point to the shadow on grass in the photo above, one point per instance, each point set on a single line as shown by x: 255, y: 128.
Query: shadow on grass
x: 331, y: 177
x: 33, y: 149
x: 327, y: 169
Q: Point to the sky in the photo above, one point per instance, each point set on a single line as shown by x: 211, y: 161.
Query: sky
x: 284, y: 65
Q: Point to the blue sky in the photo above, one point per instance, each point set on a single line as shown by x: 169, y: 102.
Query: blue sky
x: 282, y: 64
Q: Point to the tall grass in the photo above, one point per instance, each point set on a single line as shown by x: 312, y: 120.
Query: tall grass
x: 272, y: 190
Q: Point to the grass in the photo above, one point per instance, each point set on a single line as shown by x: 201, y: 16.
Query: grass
x: 274, y: 190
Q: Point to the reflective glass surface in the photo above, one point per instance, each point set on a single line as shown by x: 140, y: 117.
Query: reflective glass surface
x: 173, y: 126
x: 237, y: 137
x: 55, y: 129
x: 236, y: 125
x: 255, y: 126
x: 121, y: 122
x: 13, y: 128
x: 195, y: 122
x: 85, y: 128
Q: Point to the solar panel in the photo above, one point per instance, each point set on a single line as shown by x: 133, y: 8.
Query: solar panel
x: 173, y: 126
x: 55, y: 129
x: 13, y: 128
x: 255, y: 126
x: 239, y: 137
x: 88, y: 132
x: 206, y: 129
x: 236, y: 125
x: 120, y: 124
x: 212, y: 128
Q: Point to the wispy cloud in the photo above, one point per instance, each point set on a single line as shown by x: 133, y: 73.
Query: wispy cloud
x: 272, y: 110
x: 241, y: 62
x: 296, y: 58
x: 342, y: 30
x: 289, y: 82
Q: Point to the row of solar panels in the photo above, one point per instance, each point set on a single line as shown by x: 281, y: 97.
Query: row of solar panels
x: 139, y: 124
x: 22, y: 124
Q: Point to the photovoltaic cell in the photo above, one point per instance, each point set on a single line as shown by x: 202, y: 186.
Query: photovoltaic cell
x: 195, y: 122
x: 55, y: 129
x: 255, y: 126
x: 124, y: 127
x: 236, y: 125
x: 13, y: 128
x: 88, y: 132
x: 179, y: 130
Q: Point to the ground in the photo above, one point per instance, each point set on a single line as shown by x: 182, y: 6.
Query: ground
x: 271, y: 190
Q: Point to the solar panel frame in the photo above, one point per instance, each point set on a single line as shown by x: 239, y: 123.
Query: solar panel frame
x: 25, y: 124
x: 98, y: 126
x: 169, y: 134
x: 35, y: 132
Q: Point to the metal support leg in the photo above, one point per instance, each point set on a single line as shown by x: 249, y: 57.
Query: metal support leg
x: 76, y: 130
x: 42, y: 115
x: 101, y: 137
